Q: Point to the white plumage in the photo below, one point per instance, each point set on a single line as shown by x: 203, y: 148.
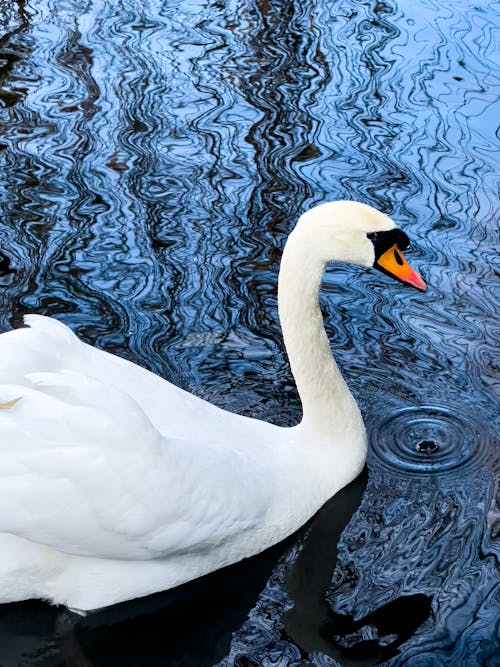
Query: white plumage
x: 115, y: 483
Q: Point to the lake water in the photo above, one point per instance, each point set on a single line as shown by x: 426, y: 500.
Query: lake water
x: 154, y: 155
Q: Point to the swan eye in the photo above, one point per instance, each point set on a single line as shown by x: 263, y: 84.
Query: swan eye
x: 382, y: 241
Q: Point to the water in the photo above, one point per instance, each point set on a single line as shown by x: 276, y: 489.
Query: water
x: 154, y: 156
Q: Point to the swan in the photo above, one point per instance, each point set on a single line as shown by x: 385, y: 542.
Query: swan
x: 115, y: 484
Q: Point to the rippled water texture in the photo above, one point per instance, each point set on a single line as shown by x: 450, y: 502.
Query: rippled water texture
x: 154, y: 156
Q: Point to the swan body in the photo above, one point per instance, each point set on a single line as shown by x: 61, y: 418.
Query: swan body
x: 115, y: 484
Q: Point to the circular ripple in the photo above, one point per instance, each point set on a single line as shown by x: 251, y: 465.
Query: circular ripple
x: 427, y: 439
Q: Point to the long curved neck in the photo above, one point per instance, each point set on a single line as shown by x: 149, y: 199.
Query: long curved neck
x: 329, y: 410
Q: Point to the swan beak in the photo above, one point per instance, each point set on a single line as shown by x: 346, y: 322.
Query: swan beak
x: 393, y: 262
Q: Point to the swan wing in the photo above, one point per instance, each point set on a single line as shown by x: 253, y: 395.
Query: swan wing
x: 49, y: 345
x: 85, y: 471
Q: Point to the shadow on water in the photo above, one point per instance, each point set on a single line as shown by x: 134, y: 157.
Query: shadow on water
x: 312, y: 624
x: 195, y: 621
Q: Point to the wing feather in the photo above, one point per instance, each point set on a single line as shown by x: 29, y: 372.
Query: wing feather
x: 84, y: 470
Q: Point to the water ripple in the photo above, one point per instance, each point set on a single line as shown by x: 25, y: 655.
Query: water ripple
x: 429, y: 439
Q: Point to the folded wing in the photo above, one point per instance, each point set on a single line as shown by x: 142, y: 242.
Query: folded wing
x: 84, y: 470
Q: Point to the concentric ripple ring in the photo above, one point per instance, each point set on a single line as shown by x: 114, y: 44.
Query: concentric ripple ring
x: 427, y: 439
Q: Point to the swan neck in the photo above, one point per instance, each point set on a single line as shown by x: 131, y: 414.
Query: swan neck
x: 328, y: 406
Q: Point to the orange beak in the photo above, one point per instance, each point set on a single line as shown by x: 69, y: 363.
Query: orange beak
x: 392, y: 261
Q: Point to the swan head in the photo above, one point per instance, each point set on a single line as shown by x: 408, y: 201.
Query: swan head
x: 349, y: 231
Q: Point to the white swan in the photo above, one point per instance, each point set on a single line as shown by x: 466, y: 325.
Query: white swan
x: 115, y: 483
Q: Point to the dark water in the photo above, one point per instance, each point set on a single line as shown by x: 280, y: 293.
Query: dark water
x: 154, y: 155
